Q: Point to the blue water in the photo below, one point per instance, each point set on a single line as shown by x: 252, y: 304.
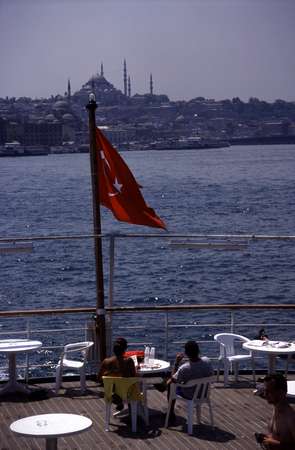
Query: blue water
x: 235, y: 190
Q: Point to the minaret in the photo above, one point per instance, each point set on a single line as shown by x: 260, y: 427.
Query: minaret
x: 129, y: 87
x: 151, y: 85
x: 101, y: 70
x: 69, y: 89
x: 125, y: 78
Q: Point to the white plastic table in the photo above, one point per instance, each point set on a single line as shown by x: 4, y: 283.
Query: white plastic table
x: 272, y: 349
x: 291, y: 388
x: 51, y: 426
x: 158, y: 366
x: 11, y: 347
x: 149, y: 374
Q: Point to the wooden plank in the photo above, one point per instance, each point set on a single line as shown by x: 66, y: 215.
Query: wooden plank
x: 237, y: 415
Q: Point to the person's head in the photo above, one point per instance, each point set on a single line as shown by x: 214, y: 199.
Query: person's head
x: 275, y: 388
x: 192, y: 350
x: 120, y: 347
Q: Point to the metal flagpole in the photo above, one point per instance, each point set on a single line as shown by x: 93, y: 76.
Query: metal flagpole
x: 94, y: 166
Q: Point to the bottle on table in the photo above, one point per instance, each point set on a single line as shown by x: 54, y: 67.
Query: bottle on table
x: 146, y: 355
x: 152, y: 355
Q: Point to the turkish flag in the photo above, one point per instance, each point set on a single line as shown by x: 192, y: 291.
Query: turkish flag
x: 118, y: 189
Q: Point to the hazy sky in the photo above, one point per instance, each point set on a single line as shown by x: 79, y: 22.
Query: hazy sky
x: 212, y: 48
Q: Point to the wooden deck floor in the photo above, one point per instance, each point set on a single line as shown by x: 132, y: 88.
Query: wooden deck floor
x: 237, y: 415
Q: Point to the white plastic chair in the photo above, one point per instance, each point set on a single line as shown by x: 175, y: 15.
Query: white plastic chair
x: 229, y: 356
x: 129, y: 391
x: 80, y: 349
x: 201, y: 396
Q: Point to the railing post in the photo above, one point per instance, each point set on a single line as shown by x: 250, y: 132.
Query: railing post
x: 27, y: 354
x: 111, y: 269
x: 166, y: 335
x: 111, y: 291
x: 232, y: 321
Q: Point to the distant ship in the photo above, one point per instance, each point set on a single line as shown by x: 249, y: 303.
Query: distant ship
x: 188, y: 143
x: 14, y: 148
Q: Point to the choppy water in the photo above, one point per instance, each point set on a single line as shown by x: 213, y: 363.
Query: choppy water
x: 234, y: 190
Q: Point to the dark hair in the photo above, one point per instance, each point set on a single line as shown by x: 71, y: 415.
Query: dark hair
x: 192, y: 349
x: 279, y: 381
x: 120, y: 346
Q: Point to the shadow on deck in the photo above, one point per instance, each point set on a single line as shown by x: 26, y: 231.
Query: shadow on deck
x: 237, y: 415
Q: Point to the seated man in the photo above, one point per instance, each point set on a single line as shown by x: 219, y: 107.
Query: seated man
x: 282, y: 425
x: 195, y: 367
x: 117, y: 366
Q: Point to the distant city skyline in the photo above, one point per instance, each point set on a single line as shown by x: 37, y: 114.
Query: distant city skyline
x: 212, y: 48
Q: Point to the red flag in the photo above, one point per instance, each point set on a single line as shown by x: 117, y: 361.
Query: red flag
x: 118, y: 189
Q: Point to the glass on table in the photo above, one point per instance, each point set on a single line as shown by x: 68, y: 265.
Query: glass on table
x: 134, y: 357
x: 152, y: 356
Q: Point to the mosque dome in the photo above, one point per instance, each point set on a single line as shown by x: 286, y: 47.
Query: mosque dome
x: 61, y: 105
x: 68, y: 117
x: 49, y: 117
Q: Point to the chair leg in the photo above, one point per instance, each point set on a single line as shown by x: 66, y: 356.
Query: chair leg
x: 253, y: 369
x: 218, y: 370
x: 287, y: 365
x: 236, y: 370
x: 226, y: 372
x: 198, y: 411
x: 83, y: 380
x: 58, y: 378
x: 190, y: 412
x: 133, y: 405
x: 168, y: 413
x: 107, y: 416
x: 146, y: 414
x: 145, y: 407
x: 211, y: 413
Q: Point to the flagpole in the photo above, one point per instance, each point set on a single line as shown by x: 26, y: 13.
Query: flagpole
x: 94, y: 166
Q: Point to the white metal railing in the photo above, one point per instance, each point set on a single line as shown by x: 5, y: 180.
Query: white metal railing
x: 211, y: 241
x: 168, y: 344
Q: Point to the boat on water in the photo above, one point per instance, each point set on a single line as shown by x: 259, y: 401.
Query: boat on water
x: 190, y: 143
x: 15, y: 148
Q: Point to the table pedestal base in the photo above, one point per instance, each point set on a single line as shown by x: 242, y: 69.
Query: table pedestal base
x: 13, y: 385
x: 51, y: 443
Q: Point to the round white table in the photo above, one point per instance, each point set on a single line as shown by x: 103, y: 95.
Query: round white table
x: 272, y: 349
x: 151, y: 375
x: 51, y: 426
x: 11, y: 347
x: 157, y: 366
x: 291, y: 388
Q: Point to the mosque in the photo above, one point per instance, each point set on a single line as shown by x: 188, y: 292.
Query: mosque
x: 107, y: 95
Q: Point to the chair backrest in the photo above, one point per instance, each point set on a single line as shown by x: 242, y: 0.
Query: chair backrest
x: 79, y: 348
x: 126, y: 387
x: 202, y: 388
x: 227, y: 341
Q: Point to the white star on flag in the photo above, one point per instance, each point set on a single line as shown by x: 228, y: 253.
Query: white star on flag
x: 116, y: 186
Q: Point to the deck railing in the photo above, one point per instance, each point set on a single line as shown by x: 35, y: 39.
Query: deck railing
x: 165, y: 346
x: 171, y: 332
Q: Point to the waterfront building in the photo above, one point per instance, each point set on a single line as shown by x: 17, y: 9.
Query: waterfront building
x: 42, y: 133
x: 3, y: 130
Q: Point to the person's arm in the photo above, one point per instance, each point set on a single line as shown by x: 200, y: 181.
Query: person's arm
x: 270, y: 443
x: 131, y: 368
x: 179, y: 357
x: 177, y: 363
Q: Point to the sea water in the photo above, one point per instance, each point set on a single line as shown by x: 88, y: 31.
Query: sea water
x: 235, y: 190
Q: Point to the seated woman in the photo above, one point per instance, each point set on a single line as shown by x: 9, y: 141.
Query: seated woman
x: 117, y: 366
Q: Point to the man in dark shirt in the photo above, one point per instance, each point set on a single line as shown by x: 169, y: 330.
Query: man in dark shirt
x: 282, y: 425
x: 184, y: 371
